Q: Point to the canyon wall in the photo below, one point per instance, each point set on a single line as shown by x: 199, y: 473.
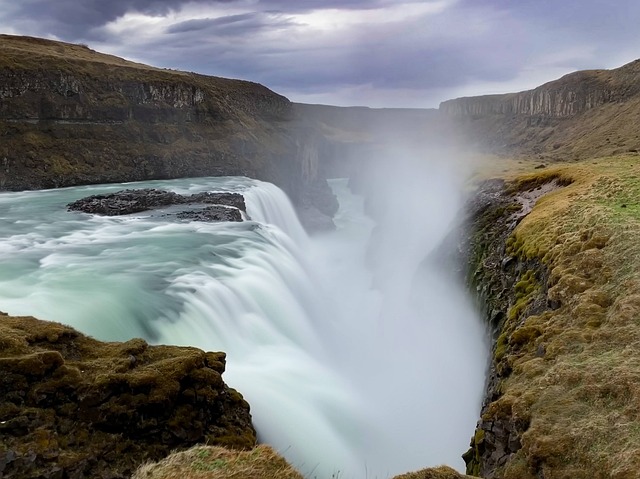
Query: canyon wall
x: 568, y: 96
x: 583, y: 114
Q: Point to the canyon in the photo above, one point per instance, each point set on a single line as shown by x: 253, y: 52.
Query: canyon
x: 71, y: 116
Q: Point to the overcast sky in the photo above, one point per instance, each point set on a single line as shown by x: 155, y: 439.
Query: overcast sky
x: 380, y: 53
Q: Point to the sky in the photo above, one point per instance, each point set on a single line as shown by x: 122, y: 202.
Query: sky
x: 377, y: 53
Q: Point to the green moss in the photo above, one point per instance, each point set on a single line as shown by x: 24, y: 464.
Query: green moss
x: 525, y: 290
x: 472, y: 457
x: 501, y: 346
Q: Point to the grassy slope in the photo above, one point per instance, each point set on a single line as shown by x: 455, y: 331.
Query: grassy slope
x: 582, y: 396
x: 26, y: 53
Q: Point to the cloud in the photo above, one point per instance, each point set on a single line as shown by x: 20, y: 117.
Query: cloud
x: 378, y: 51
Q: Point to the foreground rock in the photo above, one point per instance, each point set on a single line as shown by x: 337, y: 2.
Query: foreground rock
x: 227, y: 205
x: 75, y: 407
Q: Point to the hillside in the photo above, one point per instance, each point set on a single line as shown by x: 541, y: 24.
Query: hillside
x: 581, y: 115
x: 70, y: 115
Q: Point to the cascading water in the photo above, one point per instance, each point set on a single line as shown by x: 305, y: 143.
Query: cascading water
x: 344, y: 378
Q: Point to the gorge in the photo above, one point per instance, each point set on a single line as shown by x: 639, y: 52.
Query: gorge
x: 335, y: 395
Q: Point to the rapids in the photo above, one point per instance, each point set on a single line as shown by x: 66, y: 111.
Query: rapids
x: 358, y: 361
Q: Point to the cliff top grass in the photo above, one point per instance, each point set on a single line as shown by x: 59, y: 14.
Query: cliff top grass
x: 39, y: 54
x: 576, y: 369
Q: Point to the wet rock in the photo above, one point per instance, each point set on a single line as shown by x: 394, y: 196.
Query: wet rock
x: 75, y: 407
x: 212, y: 213
x: 228, y: 205
x: 229, y: 199
x: 126, y: 202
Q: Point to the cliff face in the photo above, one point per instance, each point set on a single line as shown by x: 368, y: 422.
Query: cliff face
x: 570, y: 95
x: 582, y: 114
x: 69, y: 115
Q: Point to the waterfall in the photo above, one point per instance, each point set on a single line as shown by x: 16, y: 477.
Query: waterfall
x: 347, y: 376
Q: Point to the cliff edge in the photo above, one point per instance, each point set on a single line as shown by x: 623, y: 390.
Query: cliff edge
x: 559, y: 282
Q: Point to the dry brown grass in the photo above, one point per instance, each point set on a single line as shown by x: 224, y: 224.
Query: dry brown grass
x: 442, y: 472
x: 206, y: 462
x: 582, y: 396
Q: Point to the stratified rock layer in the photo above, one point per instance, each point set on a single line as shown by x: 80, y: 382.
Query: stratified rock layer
x: 584, y: 114
x: 75, y: 407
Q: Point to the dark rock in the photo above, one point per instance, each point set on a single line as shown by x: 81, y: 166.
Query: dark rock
x: 212, y: 213
x: 135, y: 201
x: 229, y: 199
x: 126, y: 202
x: 94, y: 409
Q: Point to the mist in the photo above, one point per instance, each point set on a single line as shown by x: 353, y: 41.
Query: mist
x: 406, y: 335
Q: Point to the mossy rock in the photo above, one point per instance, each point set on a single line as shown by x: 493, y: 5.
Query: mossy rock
x: 77, y: 407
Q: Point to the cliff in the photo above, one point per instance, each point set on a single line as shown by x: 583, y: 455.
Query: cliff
x: 559, y: 281
x: 583, y: 114
x: 70, y: 115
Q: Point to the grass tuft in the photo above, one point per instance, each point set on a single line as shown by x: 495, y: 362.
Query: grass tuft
x: 212, y: 462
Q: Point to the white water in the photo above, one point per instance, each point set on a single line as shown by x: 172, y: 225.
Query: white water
x: 345, y: 379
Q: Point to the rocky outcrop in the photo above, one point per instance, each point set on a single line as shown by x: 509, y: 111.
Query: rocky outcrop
x: 126, y: 202
x: 211, y: 214
x: 75, y: 407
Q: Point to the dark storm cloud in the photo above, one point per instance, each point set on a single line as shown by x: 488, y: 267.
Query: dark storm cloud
x: 74, y: 19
